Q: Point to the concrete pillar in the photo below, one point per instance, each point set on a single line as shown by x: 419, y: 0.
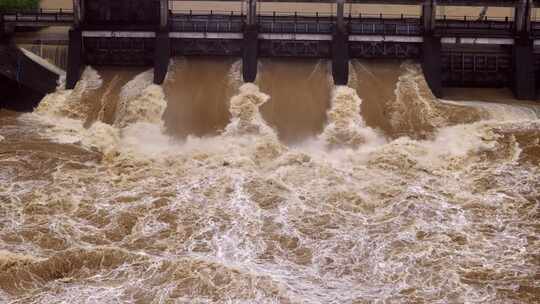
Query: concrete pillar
x: 162, y: 49
x: 164, y: 14
x: 432, y: 63
x: 75, y: 58
x: 251, y: 44
x: 78, y: 13
x: 340, y: 47
x: 429, y: 13
x: 340, y: 12
x: 522, y: 16
x: 250, y: 54
x: 162, y: 55
x: 252, y: 12
x: 524, y: 76
x: 431, y: 49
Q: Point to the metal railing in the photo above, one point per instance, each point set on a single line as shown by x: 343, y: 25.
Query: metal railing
x: 471, y: 24
x: 397, y: 29
x: 38, y: 16
x: 281, y: 22
x: 209, y: 13
x: 207, y: 26
x: 291, y: 14
x: 39, y: 11
x: 296, y: 28
x: 295, y: 22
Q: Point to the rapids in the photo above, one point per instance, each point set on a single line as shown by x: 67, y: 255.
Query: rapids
x: 119, y: 191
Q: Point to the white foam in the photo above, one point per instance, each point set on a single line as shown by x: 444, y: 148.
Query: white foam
x: 500, y: 111
x: 246, y: 117
x: 140, y: 101
x: 67, y: 103
x: 346, y: 127
x: 235, y: 74
x: 147, y: 140
x: 414, y: 100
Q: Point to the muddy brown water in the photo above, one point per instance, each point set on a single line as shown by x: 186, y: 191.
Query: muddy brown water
x: 207, y: 190
x: 288, y: 191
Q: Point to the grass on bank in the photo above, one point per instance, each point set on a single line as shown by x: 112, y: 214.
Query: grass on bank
x: 18, y: 4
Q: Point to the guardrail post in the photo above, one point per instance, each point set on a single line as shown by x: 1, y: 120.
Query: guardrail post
x: 251, y: 44
x: 431, y: 48
x: 340, y: 47
x: 524, y: 80
x: 75, y: 54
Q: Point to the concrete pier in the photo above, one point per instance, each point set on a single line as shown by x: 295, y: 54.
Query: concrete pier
x: 340, y: 48
x: 523, y: 58
x: 75, y: 58
x: 78, y: 13
x: 162, y: 56
x: 250, y: 53
x: 162, y: 52
x: 432, y: 64
x: 340, y: 57
x: 75, y: 46
x: 431, y: 48
x: 524, y: 85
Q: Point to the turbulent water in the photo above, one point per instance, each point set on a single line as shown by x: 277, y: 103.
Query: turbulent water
x: 209, y: 191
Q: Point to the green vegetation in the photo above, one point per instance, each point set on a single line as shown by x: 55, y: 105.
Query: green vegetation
x: 18, y: 4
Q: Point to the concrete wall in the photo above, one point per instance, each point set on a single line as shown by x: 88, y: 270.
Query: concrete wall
x: 17, y: 97
x: 15, y: 65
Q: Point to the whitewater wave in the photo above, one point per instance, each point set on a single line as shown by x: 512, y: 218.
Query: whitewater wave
x: 346, y: 126
x: 416, y: 112
x: 245, y: 114
x: 499, y: 111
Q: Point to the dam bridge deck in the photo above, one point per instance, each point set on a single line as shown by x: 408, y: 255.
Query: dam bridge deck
x: 234, y: 22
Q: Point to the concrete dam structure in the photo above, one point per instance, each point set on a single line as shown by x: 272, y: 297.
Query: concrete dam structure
x: 25, y: 77
x: 469, y: 52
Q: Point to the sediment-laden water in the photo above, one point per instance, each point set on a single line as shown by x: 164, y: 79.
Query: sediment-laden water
x: 290, y: 190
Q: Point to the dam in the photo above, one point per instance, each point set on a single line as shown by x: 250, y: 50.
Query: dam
x: 468, y: 52
x: 210, y: 189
